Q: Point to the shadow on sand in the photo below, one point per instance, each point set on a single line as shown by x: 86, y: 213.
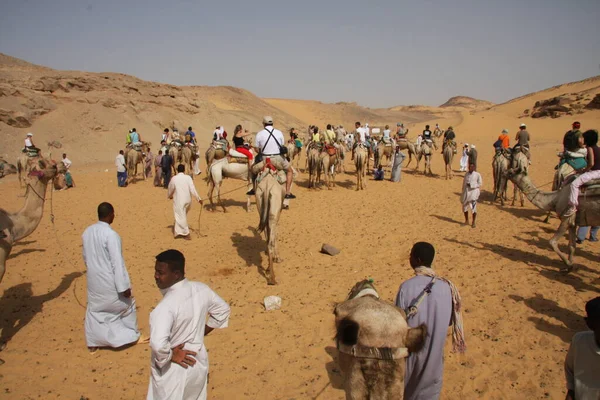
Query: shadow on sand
x: 250, y: 248
x: 18, y: 306
x: 571, y: 322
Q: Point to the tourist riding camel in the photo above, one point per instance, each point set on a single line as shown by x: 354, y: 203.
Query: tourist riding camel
x: 522, y: 138
x: 270, y: 145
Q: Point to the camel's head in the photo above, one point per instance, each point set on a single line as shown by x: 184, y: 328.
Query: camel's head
x: 43, y: 169
x: 367, y: 322
x: 6, y: 168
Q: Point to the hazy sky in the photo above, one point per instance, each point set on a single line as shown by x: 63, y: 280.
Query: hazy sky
x: 378, y: 53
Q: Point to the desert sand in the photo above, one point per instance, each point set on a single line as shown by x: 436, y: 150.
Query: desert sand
x: 520, y: 312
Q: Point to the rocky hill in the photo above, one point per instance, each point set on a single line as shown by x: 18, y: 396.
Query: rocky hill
x: 468, y: 103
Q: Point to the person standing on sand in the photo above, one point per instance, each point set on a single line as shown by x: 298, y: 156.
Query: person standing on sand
x: 470, y: 193
x: 181, y: 190
x: 397, y: 165
x: 582, y: 364
x: 473, y: 155
x: 434, y: 301
x: 158, y: 169
x: 167, y: 167
x: 110, y: 318
x: 187, y: 313
x: 121, y: 169
x: 148, y: 158
x: 464, y: 160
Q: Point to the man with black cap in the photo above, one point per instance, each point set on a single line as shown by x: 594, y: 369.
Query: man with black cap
x: 270, y: 144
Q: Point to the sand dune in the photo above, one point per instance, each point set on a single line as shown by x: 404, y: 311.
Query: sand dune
x: 520, y: 312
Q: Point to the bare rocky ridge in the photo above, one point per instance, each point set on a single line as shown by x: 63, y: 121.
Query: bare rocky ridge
x: 467, y: 103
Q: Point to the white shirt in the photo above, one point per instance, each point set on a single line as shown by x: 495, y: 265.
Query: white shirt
x: 386, y: 133
x: 28, y: 142
x: 182, y: 188
x: 67, y: 163
x: 362, y: 133
x: 582, y: 366
x: 271, y: 146
x: 120, y: 163
x: 180, y: 318
x: 367, y: 131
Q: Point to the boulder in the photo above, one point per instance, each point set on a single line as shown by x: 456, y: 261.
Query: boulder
x: 594, y: 104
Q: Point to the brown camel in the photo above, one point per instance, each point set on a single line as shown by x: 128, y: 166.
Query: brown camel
x: 373, y: 340
x: 426, y: 151
x: 6, y: 168
x: 269, y: 202
x: 314, y: 167
x: 360, y: 160
x: 448, y: 153
x: 405, y: 144
x: 519, y: 162
x: 386, y: 150
x: 23, y: 168
x: 16, y: 226
x: 588, y: 212
x: 328, y: 166
x: 500, y: 165
x: 134, y: 157
x: 294, y: 153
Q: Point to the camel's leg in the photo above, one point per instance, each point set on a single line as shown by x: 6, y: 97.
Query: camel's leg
x: 522, y: 197
x: 247, y: 203
x: 211, y: 187
x: 564, y: 225
x: 547, y: 217
x: 218, y: 189
x: 514, y: 199
x: 270, y: 273
x: 572, y: 243
x: 5, y: 249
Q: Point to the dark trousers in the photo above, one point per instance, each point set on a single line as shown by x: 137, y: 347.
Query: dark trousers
x: 167, y: 177
x: 121, y: 178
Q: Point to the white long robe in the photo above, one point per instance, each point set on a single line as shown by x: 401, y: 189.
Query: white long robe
x: 181, y: 189
x: 180, y: 317
x: 471, y: 187
x: 110, y: 319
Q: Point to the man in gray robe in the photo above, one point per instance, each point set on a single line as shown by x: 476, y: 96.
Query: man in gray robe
x: 437, y: 309
x: 397, y: 165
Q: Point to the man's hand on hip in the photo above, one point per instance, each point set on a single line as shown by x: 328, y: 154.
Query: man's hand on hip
x: 184, y: 358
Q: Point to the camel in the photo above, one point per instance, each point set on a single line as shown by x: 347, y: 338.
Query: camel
x: 216, y: 151
x: 314, y: 167
x: 373, y: 340
x: 519, y: 162
x: 360, y: 161
x: 426, y: 152
x: 328, y: 166
x: 294, y: 153
x: 133, y: 158
x: 23, y: 168
x: 500, y: 165
x: 6, y: 168
x: 269, y: 202
x: 448, y: 157
x: 588, y: 212
x: 220, y: 169
x: 386, y: 150
x: 16, y: 226
x: 405, y: 144
x: 560, y: 176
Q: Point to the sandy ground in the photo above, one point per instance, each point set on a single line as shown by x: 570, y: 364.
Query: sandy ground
x: 520, y: 312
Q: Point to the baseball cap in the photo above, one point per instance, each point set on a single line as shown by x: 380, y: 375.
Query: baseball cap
x: 267, y: 120
x: 30, y: 134
x: 523, y: 126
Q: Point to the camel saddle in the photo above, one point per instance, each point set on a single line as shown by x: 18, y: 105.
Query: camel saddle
x: 386, y: 141
x: 137, y: 146
x: 31, y: 152
x: 331, y: 150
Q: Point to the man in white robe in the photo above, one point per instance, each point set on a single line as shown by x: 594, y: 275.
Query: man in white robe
x: 181, y: 190
x: 178, y: 324
x: 470, y: 193
x: 110, y: 319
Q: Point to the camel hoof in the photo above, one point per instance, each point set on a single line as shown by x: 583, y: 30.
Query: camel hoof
x: 278, y: 260
x: 271, y: 282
